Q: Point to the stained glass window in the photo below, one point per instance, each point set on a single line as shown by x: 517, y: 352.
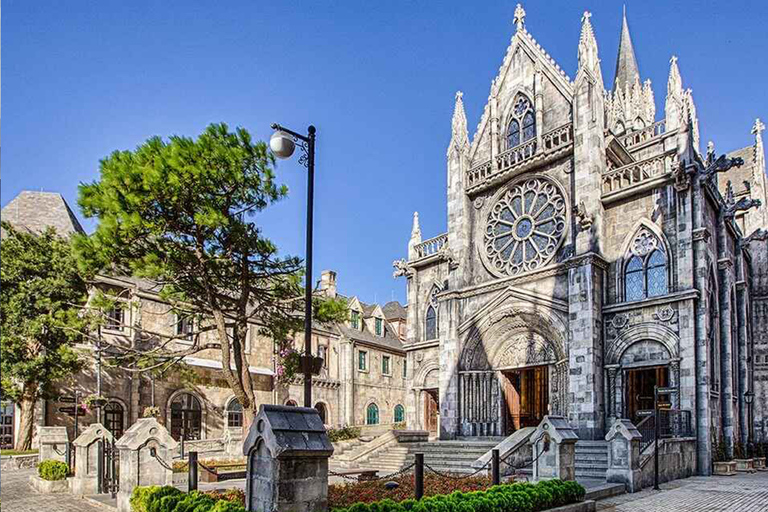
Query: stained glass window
x: 372, y: 415
x: 633, y: 280
x: 431, y: 322
x: 522, y: 124
x: 657, y: 274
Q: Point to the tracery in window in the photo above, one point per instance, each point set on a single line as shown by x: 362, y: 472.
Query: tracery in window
x: 431, y: 328
x: 645, y: 273
x: 522, y: 124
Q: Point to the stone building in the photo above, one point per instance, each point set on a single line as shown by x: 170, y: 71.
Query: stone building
x: 362, y: 381
x: 592, y: 252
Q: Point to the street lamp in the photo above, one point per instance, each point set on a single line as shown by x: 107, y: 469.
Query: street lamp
x: 283, y: 143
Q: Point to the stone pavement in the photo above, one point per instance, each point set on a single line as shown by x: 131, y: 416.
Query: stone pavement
x: 740, y: 493
x: 18, y: 496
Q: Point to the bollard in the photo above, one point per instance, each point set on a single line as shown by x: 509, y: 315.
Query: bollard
x: 495, y: 467
x: 192, y: 484
x: 418, y: 475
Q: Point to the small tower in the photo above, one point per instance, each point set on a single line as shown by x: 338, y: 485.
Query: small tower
x: 458, y: 164
x: 415, y: 237
x: 673, y: 106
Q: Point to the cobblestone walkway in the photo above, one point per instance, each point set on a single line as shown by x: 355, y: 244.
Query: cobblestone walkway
x: 18, y: 496
x: 741, y: 493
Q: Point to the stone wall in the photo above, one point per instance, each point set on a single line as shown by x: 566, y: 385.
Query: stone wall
x: 677, y: 459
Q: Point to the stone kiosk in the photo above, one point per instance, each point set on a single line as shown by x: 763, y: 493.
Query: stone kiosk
x: 554, y: 449
x: 287, y: 451
x: 54, y: 443
x: 86, y: 480
x: 624, y: 455
x: 146, y: 453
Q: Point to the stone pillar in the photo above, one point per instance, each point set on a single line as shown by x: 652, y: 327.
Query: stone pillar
x: 146, y: 453
x: 674, y: 382
x: 727, y: 378
x: 86, y: 480
x: 554, y: 449
x: 585, y: 385
x: 287, y: 451
x: 54, y: 442
x: 611, y: 411
x: 745, y: 383
x: 624, y: 455
x: 449, y: 370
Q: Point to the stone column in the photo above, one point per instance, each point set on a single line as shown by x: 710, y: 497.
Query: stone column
x: 727, y: 379
x: 86, y: 480
x: 146, y: 454
x: 449, y: 365
x: 674, y: 382
x: 610, y: 406
x: 554, y: 449
x: 624, y: 455
x: 744, y: 381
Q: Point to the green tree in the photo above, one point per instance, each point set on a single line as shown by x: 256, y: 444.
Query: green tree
x: 42, y: 295
x: 180, y: 213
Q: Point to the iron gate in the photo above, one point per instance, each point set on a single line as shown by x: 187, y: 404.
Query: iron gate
x: 109, y: 468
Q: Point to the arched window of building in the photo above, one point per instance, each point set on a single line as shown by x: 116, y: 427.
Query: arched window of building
x: 645, y: 272
x: 114, y: 415
x: 186, y: 417
x: 522, y: 122
x: 321, y: 409
x: 399, y: 413
x: 234, y: 413
x: 372, y: 415
x: 431, y: 321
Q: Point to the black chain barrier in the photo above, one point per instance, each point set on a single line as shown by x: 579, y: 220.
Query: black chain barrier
x: 375, y: 478
x: 458, y: 477
x: 153, y: 453
x: 515, y: 469
x: 209, y: 470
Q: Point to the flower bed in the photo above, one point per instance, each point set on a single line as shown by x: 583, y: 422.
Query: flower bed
x: 344, y: 495
x: 516, y: 497
x: 227, y: 464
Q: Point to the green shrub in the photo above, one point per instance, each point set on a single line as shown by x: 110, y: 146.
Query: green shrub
x: 52, y: 470
x: 227, y: 506
x: 343, y: 433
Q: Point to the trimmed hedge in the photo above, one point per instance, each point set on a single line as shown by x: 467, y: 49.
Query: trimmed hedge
x: 169, y: 499
x: 516, y: 497
x: 52, y: 470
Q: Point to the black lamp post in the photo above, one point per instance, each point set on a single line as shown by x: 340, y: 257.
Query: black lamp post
x: 748, y: 397
x: 283, y: 143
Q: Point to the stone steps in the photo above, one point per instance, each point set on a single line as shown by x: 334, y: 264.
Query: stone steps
x: 591, y: 459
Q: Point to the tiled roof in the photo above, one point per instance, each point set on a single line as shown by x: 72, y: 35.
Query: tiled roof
x: 388, y: 341
x: 393, y: 310
x: 37, y: 211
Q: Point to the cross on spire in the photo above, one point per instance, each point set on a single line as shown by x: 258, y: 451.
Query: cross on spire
x: 673, y: 59
x: 758, y: 127
x: 519, y: 19
x: 586, y: 16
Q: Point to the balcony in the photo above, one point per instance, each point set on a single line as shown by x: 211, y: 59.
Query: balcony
x: 646, y: 134
x: 637, y: 174
x: 551, y: 142
x: 431, y: 246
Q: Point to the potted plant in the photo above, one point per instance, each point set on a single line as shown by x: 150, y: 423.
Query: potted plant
x: 95, y: 401
x: 744, y: 464
x: 151, y: 412
x: 721, y: 464
x: 759, y: 457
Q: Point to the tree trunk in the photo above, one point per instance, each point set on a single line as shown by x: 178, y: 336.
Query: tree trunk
x: 249, y: 414
x: 26, y: 418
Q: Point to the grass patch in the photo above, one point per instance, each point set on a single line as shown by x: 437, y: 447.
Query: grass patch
x: 19, y: 452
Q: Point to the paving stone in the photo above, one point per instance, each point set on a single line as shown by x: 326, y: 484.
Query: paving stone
x: 18, y: 496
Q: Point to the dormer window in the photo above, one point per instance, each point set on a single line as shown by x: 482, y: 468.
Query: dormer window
x: 355, y: 320
x: 379, y: 327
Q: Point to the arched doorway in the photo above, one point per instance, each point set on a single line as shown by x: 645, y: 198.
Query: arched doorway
x: 114, y: 417
x: 323, y: 411
x: 186, y: 417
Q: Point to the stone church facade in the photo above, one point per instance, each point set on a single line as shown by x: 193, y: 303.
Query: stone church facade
x: 592, y: 253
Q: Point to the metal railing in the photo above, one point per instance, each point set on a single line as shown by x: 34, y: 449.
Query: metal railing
x: 673, y: 423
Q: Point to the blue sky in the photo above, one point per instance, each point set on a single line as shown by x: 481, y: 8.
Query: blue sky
x: 83, y: 78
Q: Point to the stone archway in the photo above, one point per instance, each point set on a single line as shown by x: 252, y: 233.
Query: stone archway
x: 502, y: 347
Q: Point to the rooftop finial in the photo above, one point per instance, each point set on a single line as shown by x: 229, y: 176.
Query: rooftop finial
x: 416, y: 230
x: 519, y: 19
x: 757, y: 128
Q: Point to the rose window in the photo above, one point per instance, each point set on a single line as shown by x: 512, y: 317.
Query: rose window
x: 525, y: 227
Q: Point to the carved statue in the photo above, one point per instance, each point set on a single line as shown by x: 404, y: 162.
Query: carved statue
x: 732, y: 206
x: 585, y: 220
x: 401, y: 268
x: 721, y: 164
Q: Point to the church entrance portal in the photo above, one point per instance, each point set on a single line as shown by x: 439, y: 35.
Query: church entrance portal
x: 431, y: 408
x: 639, y: 389
x: 526, y: 394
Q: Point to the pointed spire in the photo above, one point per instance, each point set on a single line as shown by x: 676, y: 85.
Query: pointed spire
x: 519, y: 19
x: 675, y: 81
x: 757, y: 131
x: 626, y: 64
x: 588, y: 58
x: 459, y: 133
x: 416, y: 230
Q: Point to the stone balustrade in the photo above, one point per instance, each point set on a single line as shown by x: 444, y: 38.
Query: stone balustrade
x: 640, y: 136
x: 551, y: 141
x: 431, y: 246
x: 636, y: 173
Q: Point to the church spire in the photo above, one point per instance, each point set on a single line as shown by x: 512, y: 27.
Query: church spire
x: 416, y: 229
x: 459, y: 133
x: 627, y: 74
x: 675, y: 81
x: 588, y: 58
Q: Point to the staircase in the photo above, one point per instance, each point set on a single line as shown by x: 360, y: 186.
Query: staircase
x: 591, y: 459
x: 454, y: 456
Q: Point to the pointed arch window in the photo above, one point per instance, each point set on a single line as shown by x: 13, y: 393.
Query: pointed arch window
x: 646, y: 272
x: 431, y: 329
x: 522, y: 123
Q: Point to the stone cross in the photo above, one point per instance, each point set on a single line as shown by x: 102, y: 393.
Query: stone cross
x: 519, y: 19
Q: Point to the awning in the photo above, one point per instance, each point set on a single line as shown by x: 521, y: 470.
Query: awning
x: 212, y: 363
